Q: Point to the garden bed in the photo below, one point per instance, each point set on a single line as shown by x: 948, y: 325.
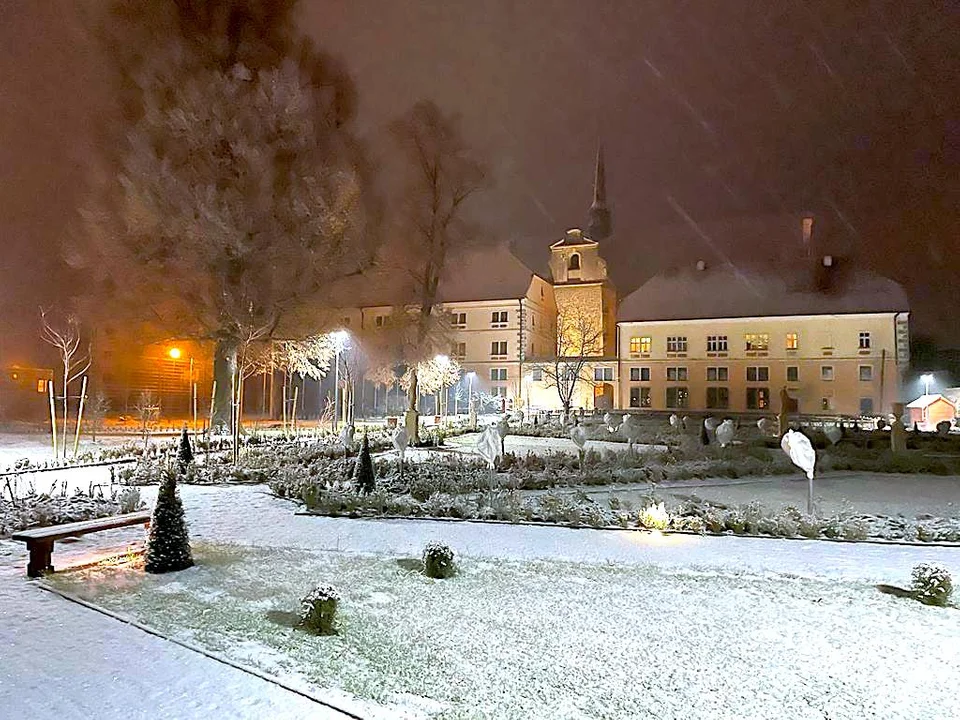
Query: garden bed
x: 511, y: 639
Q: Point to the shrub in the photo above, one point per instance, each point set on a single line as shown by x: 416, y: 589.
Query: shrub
x: 318, y: 610
x: 654, y: 517
x: 691, y: 523
x: 735, y: 521
x: 809, y: 527
x: 932, y: 585
x: 787, y: 524
x: 168, y: 544
x: 366, y: 482
x: 767, y: 526
x: 129, y: 499
x: 714, y: 521
x: 855, y: 530
x: 184, y: 452
x: 438, y: 561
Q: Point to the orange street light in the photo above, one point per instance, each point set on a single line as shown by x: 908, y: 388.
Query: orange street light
x: 174, y: 353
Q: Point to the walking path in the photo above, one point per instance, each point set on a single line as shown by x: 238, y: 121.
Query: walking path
x: 64, y: 661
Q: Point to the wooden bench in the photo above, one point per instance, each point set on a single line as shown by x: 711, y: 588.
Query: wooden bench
x: 40, y: 540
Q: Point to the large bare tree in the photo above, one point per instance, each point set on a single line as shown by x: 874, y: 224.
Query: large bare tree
x: 579, y: 338
x: 235, y: 194
x: 439, y: 177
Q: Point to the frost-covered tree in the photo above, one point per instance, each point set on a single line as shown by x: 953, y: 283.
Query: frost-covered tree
x: 231, y: 192
x: 168, y: 544
x: 439, y: 177
x: 184, y: 452
x: 65, y: 337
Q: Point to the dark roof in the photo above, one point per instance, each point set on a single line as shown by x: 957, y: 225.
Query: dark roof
x: 574, y: 237
x: 728, y: 291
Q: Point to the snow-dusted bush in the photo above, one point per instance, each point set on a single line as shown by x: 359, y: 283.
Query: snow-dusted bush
x: 654, y: 517
x: 855, y: 529
x: 318, y: 610
x: 809, y: 527
x: 690, y: 523
x: 438, y: 560
x: 787, y: 525
x: 735, y: 521
x: 168, y: 544
x: 932, y: 584
x: 713, y: 518
x: 129, y: 499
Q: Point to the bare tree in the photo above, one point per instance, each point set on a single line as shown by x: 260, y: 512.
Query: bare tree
x: 98, y: 413
x: 148, y: 412
x: 579, y: 338
x: 74, y: 362
x: 236, y: 194
x: 440, y: 177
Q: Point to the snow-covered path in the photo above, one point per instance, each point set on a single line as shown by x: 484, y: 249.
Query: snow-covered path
x: 64, y: 661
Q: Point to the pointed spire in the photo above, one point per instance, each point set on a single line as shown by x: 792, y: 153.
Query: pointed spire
x: 600, y: 223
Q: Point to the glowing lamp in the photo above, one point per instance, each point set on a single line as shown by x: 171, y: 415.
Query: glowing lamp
x: 174, y: 353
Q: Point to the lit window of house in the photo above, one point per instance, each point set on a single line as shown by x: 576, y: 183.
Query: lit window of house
x: 793, y: 341
x: 716, y: 343
x: 864, y: 341
x: 757, y: 342
x: 640, y: 344
x: 758, y: 398
x: 677, y: 344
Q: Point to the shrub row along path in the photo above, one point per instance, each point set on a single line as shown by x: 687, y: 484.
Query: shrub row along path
x: 64, y: 661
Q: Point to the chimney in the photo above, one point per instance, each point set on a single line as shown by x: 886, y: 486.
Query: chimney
x: 806, y: 226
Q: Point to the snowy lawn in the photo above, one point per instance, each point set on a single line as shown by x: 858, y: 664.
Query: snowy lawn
x: 551, y: 639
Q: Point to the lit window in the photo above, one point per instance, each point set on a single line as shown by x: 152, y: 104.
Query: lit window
x: 866, y: 373
x: 826, y: 372
x: 864, y: 341
x: 793, y: 373
x: 716, y: 343
x: 757, y: 342
x: 677, y: 344
x: 758, y: 374
x: 41, y: 385
x: 498, y: 374
x: 825, y: 403
x: 758, y: 398
x: 793, y: 341
x: 640, y: 344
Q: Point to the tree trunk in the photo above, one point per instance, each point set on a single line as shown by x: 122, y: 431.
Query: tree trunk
x: 412, y: 419
x: 224, y: 371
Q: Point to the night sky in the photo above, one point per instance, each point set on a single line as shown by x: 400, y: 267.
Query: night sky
x: 707, y: 110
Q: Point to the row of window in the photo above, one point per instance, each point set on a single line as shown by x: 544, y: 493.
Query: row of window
x: 752, y: 342
x: 718, y: 398
x: 498, y: 319
x: 758, y: 373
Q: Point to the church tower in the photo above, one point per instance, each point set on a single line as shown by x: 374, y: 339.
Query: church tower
x: 586, y: 299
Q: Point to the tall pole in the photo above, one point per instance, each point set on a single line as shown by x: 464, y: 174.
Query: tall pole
x: 83, y: 396
x: 336, y: 391
x: 53, y: 417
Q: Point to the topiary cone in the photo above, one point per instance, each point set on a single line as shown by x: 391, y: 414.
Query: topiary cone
x: 366, y: 481
x: 184, y: 452
x: 168, y: 544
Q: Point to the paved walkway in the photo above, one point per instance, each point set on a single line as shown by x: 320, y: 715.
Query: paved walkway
x: 63, y: 661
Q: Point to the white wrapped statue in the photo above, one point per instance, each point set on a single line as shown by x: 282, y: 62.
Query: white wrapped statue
x: 766, y: 426
x: 630, y: 429
x: 612, y: 422
x: 798, y: 447
x: 347, y: 437
x: 725, y: 432
x: 711, y: 424
x: 488, y: 446
x: 833, y: 433
x: 400, y: 442
x: 579, y: 436
x: 675, y: 421
x: 503, y: 428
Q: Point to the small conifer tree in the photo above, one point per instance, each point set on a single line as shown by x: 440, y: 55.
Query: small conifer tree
x: 366, y: 482
x: 184, y: 452
x: 168, y: 545
x: 704, y: 435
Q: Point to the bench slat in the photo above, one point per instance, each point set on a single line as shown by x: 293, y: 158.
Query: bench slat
x: 58, y: 532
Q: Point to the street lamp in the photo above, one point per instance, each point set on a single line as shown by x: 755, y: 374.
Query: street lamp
x: 340, y: 338
x: 926, y: 378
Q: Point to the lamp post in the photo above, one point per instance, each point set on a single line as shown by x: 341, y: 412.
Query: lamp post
x: 471, y: 410
x: 926, y: 378
x: 340, y: 338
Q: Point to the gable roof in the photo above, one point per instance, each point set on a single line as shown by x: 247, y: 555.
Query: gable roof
x: 928, y: 400
x: 574, y: 237
x: 484, y: 273
x: 730, y: 291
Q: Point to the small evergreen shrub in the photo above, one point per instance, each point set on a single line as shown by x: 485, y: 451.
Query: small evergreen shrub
x: 714, y: 520
x: 184, y: 452
x: 365, y: 479
x: 787, y: 525
x: 438, y: 561
x: 654, y: 517
x: 318, y: 610
x: 734, y: 520
x: 809, y: 527
x: 168, y: 544
x: 932, y: 585
x: 855, y: 530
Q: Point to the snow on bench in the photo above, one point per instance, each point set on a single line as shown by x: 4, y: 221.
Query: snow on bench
x: 40, y: 540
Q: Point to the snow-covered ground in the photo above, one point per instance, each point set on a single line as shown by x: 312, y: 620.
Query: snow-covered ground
x: 522, y: 444
x: 94, y: 652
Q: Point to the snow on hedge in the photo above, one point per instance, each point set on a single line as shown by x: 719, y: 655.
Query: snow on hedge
x: 546, y: 639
